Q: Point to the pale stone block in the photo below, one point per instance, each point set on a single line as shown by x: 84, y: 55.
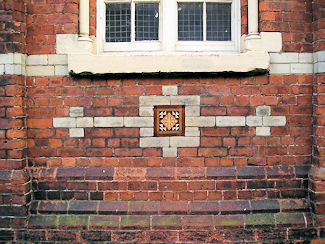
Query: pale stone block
x: 40, y: 70
x: 202, y: 121
x: 76, y: 132
x: 319, y: 56
x: 19, y: 58
x: 169, y: 152
x: 65, y: 43
x: 85, y: 122
x: 64, y: 122
x: 230, y: 121
x: 36, y: 60
x: 192, y: 111
x: 265, y: 42
x: 146, y: 111
x: 18, y: 69
x: 108, y: 121
x: 306, y: 58
x: 55, y: 59
x: 321, y: 67
x: 284, y: 58
x: 2, y: 69
x: 280, y: 69
x: 263, y: 111
x: 145, y: 132
x: 178, y: 141
x: 263, y: 131
x: 169, y: 90
x: 7, y: 58
x: 138, y: 122
x: 274, y: 121
x: 61, y: 70
x: 76, y: 112
x: 9, y: 69
x: 68, y: 43
x: 302, y: 68
x: 254, y: 120
x: 192, y: 131
x: 315, y: 68
x: 154, y: 142
x: 185, y: 100
x: 154, y: 100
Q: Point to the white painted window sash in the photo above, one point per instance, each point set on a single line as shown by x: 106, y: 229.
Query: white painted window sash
x: 150, y: 45
x: 168, y: 24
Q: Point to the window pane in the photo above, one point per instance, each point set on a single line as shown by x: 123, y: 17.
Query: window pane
x: 190, y: 21
x: 218, y: 21
x: 118, y: 22
x: 146, y: 21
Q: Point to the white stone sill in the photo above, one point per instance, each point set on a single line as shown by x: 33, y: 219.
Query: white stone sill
x: 194, y: 62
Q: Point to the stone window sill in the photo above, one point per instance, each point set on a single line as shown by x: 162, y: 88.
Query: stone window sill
x: 83, y: 58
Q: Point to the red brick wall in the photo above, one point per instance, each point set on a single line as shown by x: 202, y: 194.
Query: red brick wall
x: 277, y: 164
x: 12, y: 26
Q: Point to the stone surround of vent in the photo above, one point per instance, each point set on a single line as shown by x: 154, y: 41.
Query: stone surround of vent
x: 77, y: 122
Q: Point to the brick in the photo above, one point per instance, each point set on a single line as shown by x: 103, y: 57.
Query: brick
x: 76, y: 132
x: 290, y: 219
x: 263, y: 131
x: 200, y: 121
x: 135, y: 222
x: 166, y: 222
x: 83, y: 207
x: 144, y: 207
x: 43, y: 221
x: 231, y: 207
x: 129, y: 236
x: 204, y: 207
x: 110, y: 207
x: 72, y: 221
x: 185, y: 100
x: 146, y: 111
x: 288, y: 205
x: 192, y: 111
x: 37, y: 60
x: 154, y: 100
x: 198, y: 222
x: 64, y: 122
x: 169, y: 152
x: 91, y: 236
x: 85, y: 122
x: 254, y: 120
x: 53, y: 207
x: 229, y: 222
x: 201, y: 236
x: 138, y: 122
x: 280, y: 172
x: 274, y: 121
x: 265, y: 206
x: 251, y: 172
x: 221, y: 173
x: 160, y: 173
x: 99, y: 173
x: 108, y: 121
x: 184, y: 141
x: 154, y: 142
x: 169, y: 90
x: 230, y: 121
x: 162, y: 236
x: 259, y: 220
x: 263, y: 111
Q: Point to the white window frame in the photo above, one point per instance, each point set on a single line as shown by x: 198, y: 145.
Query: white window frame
x: 168, y: 23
